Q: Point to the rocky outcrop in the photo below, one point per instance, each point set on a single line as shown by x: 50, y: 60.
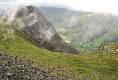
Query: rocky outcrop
x: 16, y: 68
x: 39, y: 30
x: 13, y: 67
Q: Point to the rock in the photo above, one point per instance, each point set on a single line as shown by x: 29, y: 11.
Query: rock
x: 116, y: 50
x: 21, y: 71
x: 9, y: 74
x: 39, y: 30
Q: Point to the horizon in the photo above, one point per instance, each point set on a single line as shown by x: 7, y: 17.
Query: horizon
x: 96, y: 6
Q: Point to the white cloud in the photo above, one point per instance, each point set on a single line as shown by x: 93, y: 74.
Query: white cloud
x: 106, y: 6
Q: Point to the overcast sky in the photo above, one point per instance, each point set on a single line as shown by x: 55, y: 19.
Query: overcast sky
x: 105, y: 6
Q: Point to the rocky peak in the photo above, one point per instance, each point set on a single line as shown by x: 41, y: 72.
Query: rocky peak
x: 40, y: 31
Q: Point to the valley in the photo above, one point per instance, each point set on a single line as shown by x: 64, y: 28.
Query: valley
x: 26, y: 51
x: 84, y: 30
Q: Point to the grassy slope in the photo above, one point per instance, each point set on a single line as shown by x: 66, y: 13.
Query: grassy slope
x: 91, y: 66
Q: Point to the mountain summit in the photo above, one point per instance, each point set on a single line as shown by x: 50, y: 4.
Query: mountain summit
x: 39, y: 30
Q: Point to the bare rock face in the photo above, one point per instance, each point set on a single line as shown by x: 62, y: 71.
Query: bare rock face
x: 40, y: 31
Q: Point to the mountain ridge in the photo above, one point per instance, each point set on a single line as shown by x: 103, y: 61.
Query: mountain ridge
x: 85, y: 31
x: 40, y: 31
x: 95, y: 65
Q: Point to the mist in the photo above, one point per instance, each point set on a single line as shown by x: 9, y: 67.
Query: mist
x: 97, y: 6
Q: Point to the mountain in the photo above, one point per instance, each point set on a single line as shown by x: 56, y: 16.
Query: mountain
x: 85, y: 30
x: 56, y: 15
x: 40, y: 31
x: 20, y: 59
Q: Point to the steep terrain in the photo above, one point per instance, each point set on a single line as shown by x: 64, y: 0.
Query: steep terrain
x: 39, y: 30
x: 97, y: 65
x: 86, y: 31
x: 20, y: 59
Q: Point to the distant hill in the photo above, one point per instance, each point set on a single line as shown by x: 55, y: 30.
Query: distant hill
x: 84, y: 30
x: 50, y: 11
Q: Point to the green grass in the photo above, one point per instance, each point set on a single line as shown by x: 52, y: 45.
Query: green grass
x: 91, y: 66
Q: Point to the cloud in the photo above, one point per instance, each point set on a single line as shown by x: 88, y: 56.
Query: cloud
x: 105, y: 6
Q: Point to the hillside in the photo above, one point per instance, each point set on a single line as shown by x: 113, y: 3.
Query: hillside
x: 57, y: 15
x: 90, y: 66
x: 85, y: 30
x: 39, y: 30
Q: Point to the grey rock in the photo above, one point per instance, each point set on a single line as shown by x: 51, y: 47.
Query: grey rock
x: 21, y: 71
x: 9, y: 74
x: 39, y: 30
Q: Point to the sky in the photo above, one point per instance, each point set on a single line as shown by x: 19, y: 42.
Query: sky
x: 101, y: 6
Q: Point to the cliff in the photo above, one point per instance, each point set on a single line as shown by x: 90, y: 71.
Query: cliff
x: 39, y: 30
